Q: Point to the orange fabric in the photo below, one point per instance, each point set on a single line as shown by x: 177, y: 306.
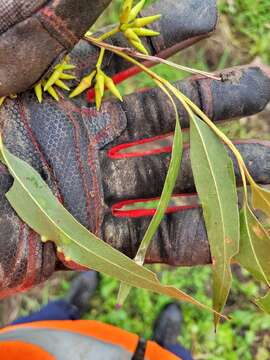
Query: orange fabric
x: 18, y: 350
x: 99, y: 331
x: 156, y: 352
x: 95, y: 329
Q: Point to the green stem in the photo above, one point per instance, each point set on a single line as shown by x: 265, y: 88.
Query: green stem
x: 108, y: 34
x: 100, y: 58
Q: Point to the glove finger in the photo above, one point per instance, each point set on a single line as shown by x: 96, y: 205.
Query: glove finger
x: 245, y: 91
x: 181, y: 25
x: 24, y: 259
x: 181, y: 239
x: 34, y: 33
x: 144, y: 176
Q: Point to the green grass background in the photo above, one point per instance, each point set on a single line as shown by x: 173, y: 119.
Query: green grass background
x: 243, y: 33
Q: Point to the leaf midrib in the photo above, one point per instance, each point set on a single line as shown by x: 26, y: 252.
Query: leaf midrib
x: 59, y: 229
x: 219, y: 202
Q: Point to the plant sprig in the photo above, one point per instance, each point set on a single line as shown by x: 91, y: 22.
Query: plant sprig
x: 261, y: 197
x: 252, y: 232
x: 132, y: 28
x: 56, y: 79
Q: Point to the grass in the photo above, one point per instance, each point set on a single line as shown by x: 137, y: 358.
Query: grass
x: 245, y: 30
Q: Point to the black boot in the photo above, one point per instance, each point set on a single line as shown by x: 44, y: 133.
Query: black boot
x: 168, y: 325
x: 83, y: 287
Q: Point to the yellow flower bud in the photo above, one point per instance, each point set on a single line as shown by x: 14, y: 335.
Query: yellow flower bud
x: 62, y: 85
x: 85, y: 84
x: 99, y: 88
x: 135, y: 11
x: 130, y: 35
x: 53, y: 93
x: 64, y: 76
x: 112, y: 87
x: 145, y: 21
x: 2, y: 99
x: 145, y: 32
x: 135, y: 41
x: 38, y: 92
x: 52, y: 79
x: 126, y: 8
x: 139, y: 46
x: 68, y: 67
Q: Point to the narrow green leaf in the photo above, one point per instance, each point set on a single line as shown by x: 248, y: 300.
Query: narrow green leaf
x: 264, y: 303
x: 34, y: 202
x: 254, y: 252
x: 215, y: 182
x: 173, y: 172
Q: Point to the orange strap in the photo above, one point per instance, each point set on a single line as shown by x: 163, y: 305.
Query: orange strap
x: 100, y: 331
x: 18, y: 350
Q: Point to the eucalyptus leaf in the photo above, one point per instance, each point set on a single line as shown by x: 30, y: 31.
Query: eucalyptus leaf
x: 171, y: 177
x: 264, y: 303
x: 260, y: 198
x: 215, y: 183
x: 254, y: 252
x: 35, y: 204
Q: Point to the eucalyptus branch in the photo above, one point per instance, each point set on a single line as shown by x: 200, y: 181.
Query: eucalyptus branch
x: 155, y: 59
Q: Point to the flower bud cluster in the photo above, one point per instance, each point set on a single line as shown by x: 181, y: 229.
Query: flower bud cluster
x: 133, y: 28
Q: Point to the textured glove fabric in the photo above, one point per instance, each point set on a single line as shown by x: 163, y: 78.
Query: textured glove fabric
x: 33, y: 34
x: 13, y: 12
x: 24, y: 260
x: 67, y: 143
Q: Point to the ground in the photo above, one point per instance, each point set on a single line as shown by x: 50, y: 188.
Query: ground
x: 243, y: 34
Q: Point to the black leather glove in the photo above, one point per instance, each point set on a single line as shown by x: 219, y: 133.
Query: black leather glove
x: 80, y: 153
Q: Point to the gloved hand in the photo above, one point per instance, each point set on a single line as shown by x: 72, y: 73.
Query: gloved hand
x: 79, y: 152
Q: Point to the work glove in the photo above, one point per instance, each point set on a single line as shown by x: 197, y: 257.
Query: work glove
x: 98, y: 164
